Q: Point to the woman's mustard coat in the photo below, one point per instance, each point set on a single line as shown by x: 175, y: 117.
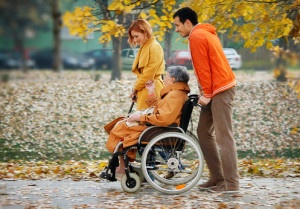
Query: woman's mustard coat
x: 149, y: 64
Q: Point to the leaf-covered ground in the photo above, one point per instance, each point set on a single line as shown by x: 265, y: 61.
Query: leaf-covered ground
x: 51, y: 125
x: 255, y: 193
x: 90, y: 170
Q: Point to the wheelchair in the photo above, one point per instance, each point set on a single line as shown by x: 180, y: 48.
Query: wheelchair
x: 168, y: 158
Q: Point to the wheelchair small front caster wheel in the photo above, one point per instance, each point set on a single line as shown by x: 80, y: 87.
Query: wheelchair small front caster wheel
x: 131, y: 184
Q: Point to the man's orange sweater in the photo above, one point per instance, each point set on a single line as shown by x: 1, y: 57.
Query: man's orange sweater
x: 210, y: 63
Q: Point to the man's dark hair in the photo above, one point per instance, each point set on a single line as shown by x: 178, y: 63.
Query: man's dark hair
x: 186, y: 13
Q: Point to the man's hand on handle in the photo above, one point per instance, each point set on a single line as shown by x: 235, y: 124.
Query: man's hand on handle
x: 204, y: 101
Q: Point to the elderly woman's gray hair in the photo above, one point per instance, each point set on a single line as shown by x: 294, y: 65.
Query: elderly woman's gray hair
x: 180, y: 73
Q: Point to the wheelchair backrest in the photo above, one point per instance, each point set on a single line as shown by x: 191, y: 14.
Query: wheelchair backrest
x: 187, y: 110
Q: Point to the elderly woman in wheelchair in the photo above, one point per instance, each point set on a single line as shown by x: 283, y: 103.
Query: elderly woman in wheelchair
x: 171, y: 159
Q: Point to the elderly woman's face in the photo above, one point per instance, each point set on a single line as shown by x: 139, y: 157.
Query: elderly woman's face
x: 168, y: 80
x: 138, y: 37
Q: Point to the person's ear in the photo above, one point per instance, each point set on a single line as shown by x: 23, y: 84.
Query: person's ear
x: 173, y: 79
x: 188, y: 22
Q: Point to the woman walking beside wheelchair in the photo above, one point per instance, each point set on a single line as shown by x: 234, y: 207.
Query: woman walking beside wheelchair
x: 149, y: 62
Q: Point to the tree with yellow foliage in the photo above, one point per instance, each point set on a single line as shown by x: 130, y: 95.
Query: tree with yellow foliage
x: 256, y: 22
x: 113, y: 20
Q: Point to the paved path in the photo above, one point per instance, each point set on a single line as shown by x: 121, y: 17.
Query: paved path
x: 255, y: 193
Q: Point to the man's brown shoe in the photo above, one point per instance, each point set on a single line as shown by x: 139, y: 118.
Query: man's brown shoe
x: 224, y: 187
x: 211, y: 183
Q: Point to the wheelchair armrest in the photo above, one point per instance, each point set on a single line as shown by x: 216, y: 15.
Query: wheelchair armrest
x: 171, y: 125
x: 149, y: 124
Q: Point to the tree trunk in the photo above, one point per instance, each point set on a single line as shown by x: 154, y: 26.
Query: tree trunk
x: 56, y: 16
x: 17, y: 28
x: 281, y: 60
x: 19, y: 46
x: 168, y: 43
x: 116, y: 73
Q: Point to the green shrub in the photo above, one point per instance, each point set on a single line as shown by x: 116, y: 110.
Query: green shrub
x: 5, y: 77
x: 258, y: 65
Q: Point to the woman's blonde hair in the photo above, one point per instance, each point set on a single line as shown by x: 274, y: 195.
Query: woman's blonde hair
x: 141, y: 26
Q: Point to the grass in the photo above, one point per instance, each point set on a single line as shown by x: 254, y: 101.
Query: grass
x: 16, y: 152
x: 292, y: 153
x: 50, y: 153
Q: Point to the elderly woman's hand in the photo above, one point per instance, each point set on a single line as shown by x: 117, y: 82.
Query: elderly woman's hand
x: 150, y: 86
x: 134, y: 117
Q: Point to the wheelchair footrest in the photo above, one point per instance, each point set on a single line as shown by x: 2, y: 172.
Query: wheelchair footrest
x: 108, y: 176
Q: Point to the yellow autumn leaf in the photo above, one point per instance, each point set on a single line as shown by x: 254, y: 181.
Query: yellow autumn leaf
x: 152, y: 12
x: 143, y: 15
x: 164, y: 18
x: 269, y: 45
x: 80, y: 170
x: 105, y: 28
x: 294, y: 130
x: 115, y: 5
x: 169, y: 25
x: 102, y: 165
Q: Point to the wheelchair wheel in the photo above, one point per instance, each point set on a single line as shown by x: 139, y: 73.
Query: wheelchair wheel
x: 131, y: 184
x: 192, y: 135
x: 172, y: 163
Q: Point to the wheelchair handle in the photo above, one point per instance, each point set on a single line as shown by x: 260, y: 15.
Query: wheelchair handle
x: 194, y: 99
x: 131, y: 106
x: 132, y: 103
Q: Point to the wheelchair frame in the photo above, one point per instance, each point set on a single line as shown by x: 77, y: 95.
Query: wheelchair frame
x: 171, y: 157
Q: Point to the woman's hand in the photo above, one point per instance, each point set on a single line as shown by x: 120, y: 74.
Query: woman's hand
x: 133, y: 96
x: 134, y: 117
x: 150, y: 85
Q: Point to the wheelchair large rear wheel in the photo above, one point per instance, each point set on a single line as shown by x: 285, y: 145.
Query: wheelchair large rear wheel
x: 192, y: 135
x: 172, y: 163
